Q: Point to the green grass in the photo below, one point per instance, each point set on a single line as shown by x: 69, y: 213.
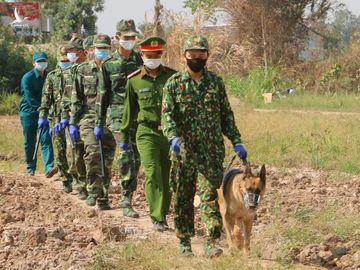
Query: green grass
x: 300, y: 101
x: 12, y: 159
x: 9, y: 103
x: 284, y: 139
x: 251, y: 87
x: 152, y: 254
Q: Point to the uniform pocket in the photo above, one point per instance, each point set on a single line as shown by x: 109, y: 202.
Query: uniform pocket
x: 211, y: 100
x: 90, y: 83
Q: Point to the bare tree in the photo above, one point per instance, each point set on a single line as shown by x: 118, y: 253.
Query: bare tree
x: 158, y: 29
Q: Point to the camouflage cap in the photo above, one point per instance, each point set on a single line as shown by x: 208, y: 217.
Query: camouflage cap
x: 75, y: 43
x: 196, y: 42
x: 127, y: 28
x: 89, y: 42
x: 102, y: 41
x: 62, y: 54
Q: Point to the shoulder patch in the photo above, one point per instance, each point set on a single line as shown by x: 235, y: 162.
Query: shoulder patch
x: 134, y: 73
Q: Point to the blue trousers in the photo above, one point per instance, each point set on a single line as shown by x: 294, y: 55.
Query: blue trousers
x: 30, y: 128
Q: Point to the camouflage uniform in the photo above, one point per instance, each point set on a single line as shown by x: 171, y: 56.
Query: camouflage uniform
x: 115, y: 71
x: 199, y: 113
x: 53, y: 91
x: 84, y: 106
x: 76, y: 148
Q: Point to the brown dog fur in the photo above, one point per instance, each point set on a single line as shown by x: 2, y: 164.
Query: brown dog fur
x: 237, y: 217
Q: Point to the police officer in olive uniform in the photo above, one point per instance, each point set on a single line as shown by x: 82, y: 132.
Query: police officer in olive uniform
x: 143, y: 104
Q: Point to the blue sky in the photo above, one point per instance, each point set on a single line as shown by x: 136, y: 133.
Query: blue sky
x: 116, y: 10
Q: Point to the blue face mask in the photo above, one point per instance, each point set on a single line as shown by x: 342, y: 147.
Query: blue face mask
x: 101, y: 54
x: 41, y: 66
x: 64, y: 65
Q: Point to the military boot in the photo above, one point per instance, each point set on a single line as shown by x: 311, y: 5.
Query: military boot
x: 185, y: 247
x: 125, y: 201
x: 82, y: 195
x: 67, y: 186
x: 91, y: 199
x: 130, y: 212
x: 211, y: 250
x: 103, y: 204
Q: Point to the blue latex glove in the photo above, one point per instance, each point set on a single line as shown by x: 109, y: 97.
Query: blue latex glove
x: 174, y: 145
x: 57, y: 128
x: 74, y: 132
x: 99, y: 133
x: 124, y: 146
x: 240, y: 150
x: 42, y: 122
x: 64, y: 122
x: 50, y: 132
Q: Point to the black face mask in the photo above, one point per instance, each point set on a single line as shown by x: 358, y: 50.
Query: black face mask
x: 196, y: 64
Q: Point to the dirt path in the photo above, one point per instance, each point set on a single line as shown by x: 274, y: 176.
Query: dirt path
x: 44, y: 228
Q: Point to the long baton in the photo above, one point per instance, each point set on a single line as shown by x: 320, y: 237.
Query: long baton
x: 37, y: 143
x: 102, y: 158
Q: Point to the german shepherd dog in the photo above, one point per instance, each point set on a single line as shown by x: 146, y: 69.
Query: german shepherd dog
x: 239, y: 196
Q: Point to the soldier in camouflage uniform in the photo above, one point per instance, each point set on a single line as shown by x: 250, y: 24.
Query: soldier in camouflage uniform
x: 76, y: 148
x: 143, y: 104
x: 53, y: 91
x: 84, y: 108
x: 116, y: 68
x: 195, y: 115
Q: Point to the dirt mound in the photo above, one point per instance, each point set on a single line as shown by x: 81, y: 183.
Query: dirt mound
x: 42, y: 228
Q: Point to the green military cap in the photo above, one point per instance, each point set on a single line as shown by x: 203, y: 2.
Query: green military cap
x: 89, y: 42
x: 196, y: 42
x: 152, y: 44
x: 62, y: 53
x: 101, y: 41
x: 127, y: 28
x: 75, y: 42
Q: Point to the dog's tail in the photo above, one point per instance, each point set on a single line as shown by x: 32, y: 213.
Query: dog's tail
x: 228, y: 177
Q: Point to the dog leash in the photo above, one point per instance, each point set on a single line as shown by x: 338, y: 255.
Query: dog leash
x: 245, y: 162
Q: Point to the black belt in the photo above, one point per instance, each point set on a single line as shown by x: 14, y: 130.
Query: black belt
x: 152, y: 125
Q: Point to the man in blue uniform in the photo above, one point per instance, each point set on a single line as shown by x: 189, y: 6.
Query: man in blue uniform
x: 31, y: 92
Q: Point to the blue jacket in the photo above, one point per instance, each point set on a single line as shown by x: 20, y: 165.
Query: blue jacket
x: 31, y: 92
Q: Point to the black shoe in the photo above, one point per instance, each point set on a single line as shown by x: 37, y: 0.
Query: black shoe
x: 83, y: 194
x: 30, y: 173
x: 52, y: 172
x: 159, y: 226
x: 166, y: 226
x: 67, y: 187
x: 103, y: 204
